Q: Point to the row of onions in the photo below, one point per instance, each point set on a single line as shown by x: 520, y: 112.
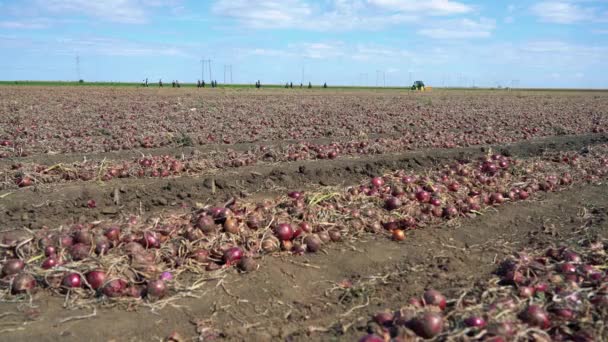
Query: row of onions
x: 556, y: 295
x: 25, y: 174
x: 150, y: 258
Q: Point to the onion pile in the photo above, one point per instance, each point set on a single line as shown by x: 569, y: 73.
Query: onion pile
x: 559, y: 307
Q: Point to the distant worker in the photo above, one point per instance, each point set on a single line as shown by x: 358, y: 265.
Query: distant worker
x: 325, y: 85
x: 198, y: 83
x: 160, y: 83
x: 291, y: 85
x: 146, y: 83
x: 203, y: 84
x: 173, y: 84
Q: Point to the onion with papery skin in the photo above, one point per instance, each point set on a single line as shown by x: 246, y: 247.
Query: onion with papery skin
x: 80, y: 251
x: 313, y: 243
x: 206, y: 224
x: 12, y: 266
x: 434, y: 297
x: 156, y: 289
x: 116, y: 288
x: 231, y: 226
x: 536, y: 316
x: 112, y: 233
x: 247, y: 264
x: 23, y: 282
x: 392, y: 203
x: 384, y: 318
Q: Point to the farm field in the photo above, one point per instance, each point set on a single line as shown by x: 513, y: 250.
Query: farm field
x: 302, y: 215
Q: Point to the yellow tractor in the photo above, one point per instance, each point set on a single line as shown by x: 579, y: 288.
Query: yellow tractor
x: 418, y: 85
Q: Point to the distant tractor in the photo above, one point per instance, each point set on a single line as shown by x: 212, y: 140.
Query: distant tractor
x: 418, y: 85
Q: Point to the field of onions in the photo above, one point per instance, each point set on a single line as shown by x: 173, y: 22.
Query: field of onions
x: 237, y: 263
x: 68, y: 120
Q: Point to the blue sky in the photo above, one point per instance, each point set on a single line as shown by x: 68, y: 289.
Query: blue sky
x: 559, y: 43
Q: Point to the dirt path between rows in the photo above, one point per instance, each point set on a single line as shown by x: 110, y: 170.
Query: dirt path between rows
x: 288, y: 297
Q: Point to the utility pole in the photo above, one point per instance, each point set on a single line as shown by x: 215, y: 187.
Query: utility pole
x: 202, y: 69
x: 78, y: 67
x: 210, y: 75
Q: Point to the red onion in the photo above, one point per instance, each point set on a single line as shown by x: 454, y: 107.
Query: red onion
x: 206, y: 224
x: 371, y: 338
x: 429, y: 325
x: 423, y: 196
x: 377, y: 182
x: 117, y: 288
x: 49, y: 262
x: 23, y: 282
x: 112, y: 233
x: 72, y: 280
x: 313, y: 243
x: 536, y: 316
x: 79, y: 251
x: 295, y: 194
x: 83, y: 236
x: 475, y: 322
x: 392, y: 203
x: 284, y: 232
x: 96, y: 278
x: 12, y: 266
x: 433, y: 297
x: 232, y: 255
x: 49, y: 251
x: 150, y: 240
x: 384, y: 318
x: 156, y: 289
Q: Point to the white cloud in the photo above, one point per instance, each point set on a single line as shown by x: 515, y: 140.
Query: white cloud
x: 334, y: 15
x: 460, y: 29
x: 431, y: 7
x: 562, y: 12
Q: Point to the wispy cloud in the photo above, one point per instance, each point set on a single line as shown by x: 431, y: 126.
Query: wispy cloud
x: 34, y: 24
x: 334, y: 15
x: 119, y: 11
x: 563, y: 12
x: 431, y: 7
x: 460, y: 29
